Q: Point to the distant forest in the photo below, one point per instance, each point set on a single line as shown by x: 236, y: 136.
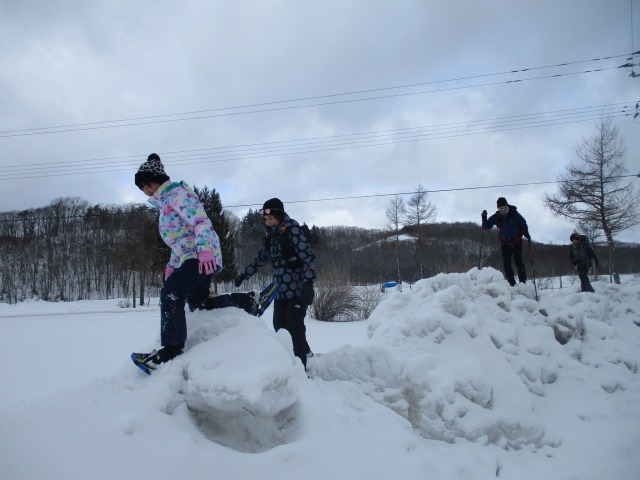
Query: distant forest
x: 71, y: 250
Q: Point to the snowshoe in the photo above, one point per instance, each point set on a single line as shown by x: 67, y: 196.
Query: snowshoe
x: 144, y: 361
x: 147, y: 362
x: 267, y: 295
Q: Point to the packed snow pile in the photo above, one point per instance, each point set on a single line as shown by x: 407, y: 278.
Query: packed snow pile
x: 459, y: 376
x: 466, y: 356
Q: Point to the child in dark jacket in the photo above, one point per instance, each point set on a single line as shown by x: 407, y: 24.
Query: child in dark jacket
x: 294, y: 271
x: 512, y: 227
x: 580, y: 255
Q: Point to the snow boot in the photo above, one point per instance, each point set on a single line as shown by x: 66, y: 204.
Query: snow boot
x: 147, y: 362
x: 245, y: 301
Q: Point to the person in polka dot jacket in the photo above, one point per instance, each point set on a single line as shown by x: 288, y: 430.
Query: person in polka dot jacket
x: 294, y: 271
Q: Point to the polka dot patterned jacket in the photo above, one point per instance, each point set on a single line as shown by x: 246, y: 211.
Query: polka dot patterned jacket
x: 289, y: 279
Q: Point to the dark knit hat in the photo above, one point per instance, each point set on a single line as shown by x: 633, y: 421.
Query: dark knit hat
x: 574, y: 235
x: 151, y: 171
x: 502, y: 202
x: 274, y: 207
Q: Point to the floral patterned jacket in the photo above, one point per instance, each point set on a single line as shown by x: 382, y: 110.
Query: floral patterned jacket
x: 184, y: 225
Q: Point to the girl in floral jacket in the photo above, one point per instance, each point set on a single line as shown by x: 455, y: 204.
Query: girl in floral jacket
x: 195, y: 253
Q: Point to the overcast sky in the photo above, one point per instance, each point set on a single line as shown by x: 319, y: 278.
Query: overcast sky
x: 314, y: 101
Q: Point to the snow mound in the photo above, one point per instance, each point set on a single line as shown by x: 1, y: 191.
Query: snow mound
x: 461, y: 376
x: 239, y: 385
x: 466, y: 356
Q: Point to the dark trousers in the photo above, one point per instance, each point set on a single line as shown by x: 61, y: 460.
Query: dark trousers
x: 289, y: 314
x: 184, y: 285
x: 583, y: 274
x: 242, y: 300
x: 514, y: 251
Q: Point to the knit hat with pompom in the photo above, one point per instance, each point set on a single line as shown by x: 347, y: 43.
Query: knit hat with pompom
x: 151, y: 171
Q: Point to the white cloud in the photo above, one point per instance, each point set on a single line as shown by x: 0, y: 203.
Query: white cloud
x: 69, y: 64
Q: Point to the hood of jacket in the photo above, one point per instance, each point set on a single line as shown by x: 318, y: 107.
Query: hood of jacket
x: 163, y: 191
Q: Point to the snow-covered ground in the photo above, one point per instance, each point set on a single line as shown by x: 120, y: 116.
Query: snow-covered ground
x: 458, y: 377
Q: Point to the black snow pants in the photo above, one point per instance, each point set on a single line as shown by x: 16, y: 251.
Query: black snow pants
x: 516, y: 251
x: 583, y: 274
x: 289, y: 314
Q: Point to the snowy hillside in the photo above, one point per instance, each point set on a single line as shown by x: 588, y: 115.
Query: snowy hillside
x: 458, y: 377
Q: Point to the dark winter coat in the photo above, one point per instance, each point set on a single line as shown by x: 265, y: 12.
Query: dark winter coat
x: 289, y: 277
x: 512, y: 226
x: 582, y: 254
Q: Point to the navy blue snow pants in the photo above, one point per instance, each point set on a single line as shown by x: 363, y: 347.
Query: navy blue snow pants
x: 184, y: 285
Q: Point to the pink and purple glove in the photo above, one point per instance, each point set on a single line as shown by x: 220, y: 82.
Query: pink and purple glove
x: 167, y: 272
x: 208, y: 261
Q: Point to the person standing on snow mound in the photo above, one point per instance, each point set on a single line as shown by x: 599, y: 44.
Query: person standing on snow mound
x: 512, y: 227
x: 580, y: 255
x: 294, y: 271
x: 195, y: 253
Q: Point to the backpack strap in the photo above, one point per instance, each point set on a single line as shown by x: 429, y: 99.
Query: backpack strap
x: 288, y: 252
x: 287, y: 249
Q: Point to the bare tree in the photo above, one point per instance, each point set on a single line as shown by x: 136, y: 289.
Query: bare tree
x: 368, y: 298
x: 396, y: 211
x: 594, y: 190
x: 591, y: 229
x: 335, y: 299
x: 420, y: 211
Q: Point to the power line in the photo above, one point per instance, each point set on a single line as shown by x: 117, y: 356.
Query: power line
x: 441, y: 190
x: 599, y: 109
x: 315, y: 200
x: 257, y: 107
x: 323, y: 144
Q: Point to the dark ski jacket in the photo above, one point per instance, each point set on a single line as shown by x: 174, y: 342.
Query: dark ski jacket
x: 512, y: 226
x: 582, y: 254
x: 290, y: 276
